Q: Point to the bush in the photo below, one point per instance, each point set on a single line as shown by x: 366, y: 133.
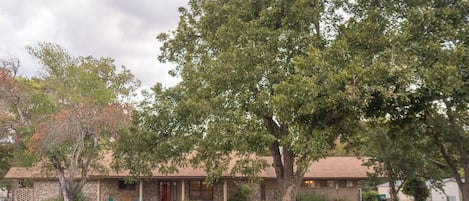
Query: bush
x: 311, y: 196
x: 241, y: 193
x: 370, y: 195
x: 53, y: 199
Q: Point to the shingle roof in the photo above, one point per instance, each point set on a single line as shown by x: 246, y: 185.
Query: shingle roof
x: 331, y: 167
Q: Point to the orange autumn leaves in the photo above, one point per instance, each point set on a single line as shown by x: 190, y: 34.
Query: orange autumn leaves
x: 79, y: 124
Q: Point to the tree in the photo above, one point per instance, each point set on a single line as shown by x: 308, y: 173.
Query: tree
x: 440, y: 36
x: 258, y: 77
x: 19, y: 101
x: 417, y: 188
x: 85, y: 95
x: 395, y: 153
x: 12, y: 100
x: 420, y: 48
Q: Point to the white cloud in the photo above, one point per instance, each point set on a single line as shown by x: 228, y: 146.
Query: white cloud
x: 123, y: 30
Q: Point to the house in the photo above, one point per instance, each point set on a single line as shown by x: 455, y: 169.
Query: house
x: 449, y: 192
x: 336, y: 177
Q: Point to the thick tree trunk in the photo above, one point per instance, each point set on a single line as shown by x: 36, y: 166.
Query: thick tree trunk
x: 283, y: 157
x: 288, y: 190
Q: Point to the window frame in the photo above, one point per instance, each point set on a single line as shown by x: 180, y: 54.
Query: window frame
x: 123, y: 185
x: 201, y: 191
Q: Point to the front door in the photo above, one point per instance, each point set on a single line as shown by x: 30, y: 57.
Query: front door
x: 167, y: 191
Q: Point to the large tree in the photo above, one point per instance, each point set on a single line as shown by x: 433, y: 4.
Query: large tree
x: 257, y: 77
x: 87, y: 111
x: 439, y: 37
x: 420, y: 52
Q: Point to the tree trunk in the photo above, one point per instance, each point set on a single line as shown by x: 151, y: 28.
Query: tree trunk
x: 65, y: 193
x: 284, y: 162
x: 288, y: 190
x: 62, y: 185
x: 465, y: 191
x: 392, y: 189
x: 392, y: 182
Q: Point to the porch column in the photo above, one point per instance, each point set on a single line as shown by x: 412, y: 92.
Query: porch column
x: 140, y: 190
x: 225, y: 190
x: 98, y: 190
x: 183, y: 189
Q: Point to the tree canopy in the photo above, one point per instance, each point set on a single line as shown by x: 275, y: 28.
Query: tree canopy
x: 286, y: 78
x: 419, y: 91
x: 258, y: 78
x: 70, y: 112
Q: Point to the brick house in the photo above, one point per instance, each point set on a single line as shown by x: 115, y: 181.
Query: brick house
x: 336, y: 177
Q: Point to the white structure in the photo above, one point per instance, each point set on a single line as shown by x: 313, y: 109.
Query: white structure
x: 3, y: 194
x: 450, y: 191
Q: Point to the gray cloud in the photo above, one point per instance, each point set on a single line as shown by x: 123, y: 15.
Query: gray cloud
x: 123, y: 30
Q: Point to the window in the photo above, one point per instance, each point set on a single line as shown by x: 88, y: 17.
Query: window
x: 124, y: 185
x: 323, y: 183
x: 198, y: 190
x: 330, y: 184
x: 308, y: 183
x: 342, y: 183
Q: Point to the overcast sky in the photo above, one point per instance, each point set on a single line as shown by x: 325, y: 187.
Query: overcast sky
x: 121, y: 29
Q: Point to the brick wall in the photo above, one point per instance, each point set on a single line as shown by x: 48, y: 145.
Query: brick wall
x: 49, y: 189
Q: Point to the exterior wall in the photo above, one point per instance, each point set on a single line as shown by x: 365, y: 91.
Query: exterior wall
x: 110, y: 188
x: 49, y: 189
x: 90, y: 190
x: 44, y: 190
x: 450, y: 189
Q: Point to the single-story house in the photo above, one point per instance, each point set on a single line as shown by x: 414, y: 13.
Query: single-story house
x: 336, y: 177
x: 449, y: 192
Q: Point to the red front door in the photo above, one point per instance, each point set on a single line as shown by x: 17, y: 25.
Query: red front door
x: 165, y: 191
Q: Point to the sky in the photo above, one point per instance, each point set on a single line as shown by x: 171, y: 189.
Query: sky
x: 125, y: 30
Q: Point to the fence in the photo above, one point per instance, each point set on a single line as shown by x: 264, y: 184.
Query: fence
x: 23, y: 194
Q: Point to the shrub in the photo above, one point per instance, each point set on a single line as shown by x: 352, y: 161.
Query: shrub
x: 311, y: 196
x: 370, y: 195
x: 241, y: 193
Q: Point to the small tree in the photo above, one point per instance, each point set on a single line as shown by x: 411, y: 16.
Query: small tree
x: 417, y: 188
x: 86, y: 96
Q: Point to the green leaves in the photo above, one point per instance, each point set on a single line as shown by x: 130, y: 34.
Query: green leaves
x: 80, y: 101
x: 82, y: 79
x: 257, y: 78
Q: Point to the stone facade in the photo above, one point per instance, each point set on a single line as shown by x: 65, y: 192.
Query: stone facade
x: 267, y: 190
x: 45, y: 190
